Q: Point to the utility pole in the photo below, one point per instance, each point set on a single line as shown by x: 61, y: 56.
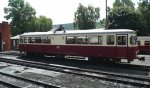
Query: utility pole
x: 106, y: 17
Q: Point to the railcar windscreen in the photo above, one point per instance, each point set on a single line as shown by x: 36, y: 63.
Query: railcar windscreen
x: 133, y: 40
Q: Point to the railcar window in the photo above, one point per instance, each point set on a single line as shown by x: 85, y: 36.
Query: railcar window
x: 94, y: 40
x: 33, y: 39
x: 133, y: 40
x: 147, y: 43
x: 82, y: 40
x: 25, y: 39
x: 38, y: 40
x: 46, y: 40
x: 100, y: 40
x: 70, y: 40
x: 21, y: 40
x: 30, y: 40
x: 110, y: 39
x: 122, y: 40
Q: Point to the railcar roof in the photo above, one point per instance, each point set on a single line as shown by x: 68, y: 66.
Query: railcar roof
x: 101, y: 31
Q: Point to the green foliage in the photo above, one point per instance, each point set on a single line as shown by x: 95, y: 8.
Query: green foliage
x: 124, y: 16
x: 20, y: 14
x: 144, y: 11
x: 86, y: 17
x: 45, y: 23
x: 40, y: 24
x: 23, y: 18
x: 124, y: 3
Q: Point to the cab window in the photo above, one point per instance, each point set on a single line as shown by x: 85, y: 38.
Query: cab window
x: 121, y: 40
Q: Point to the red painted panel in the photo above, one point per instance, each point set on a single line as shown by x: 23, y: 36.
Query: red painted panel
x: 88, y: 51
x: 132, y: 52
x: 122, y: 52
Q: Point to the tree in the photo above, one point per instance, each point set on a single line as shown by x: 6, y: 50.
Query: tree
x: 124, y: 3
x: 20, y: 14
x: 40, y: 24
x: 124, y: 16
x: 86, y: 17
x: 45, y: 23
x: 144, y: 11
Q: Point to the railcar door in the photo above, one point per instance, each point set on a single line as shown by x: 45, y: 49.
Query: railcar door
x: 122, y: 46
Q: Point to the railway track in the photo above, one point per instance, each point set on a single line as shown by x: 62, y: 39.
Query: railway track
x: 113, y: 77
x: 122, y: 65
x: 9, y: 85
x: 28, y: 81
x: 105, y: 64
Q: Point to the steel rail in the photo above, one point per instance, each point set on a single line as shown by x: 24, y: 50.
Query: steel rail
x: 40, y: 83
x: 9, y: 85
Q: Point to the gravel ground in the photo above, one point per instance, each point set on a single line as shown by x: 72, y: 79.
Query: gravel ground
x: 17, y: 82
x: 2, y: 86
x: 74, y: 81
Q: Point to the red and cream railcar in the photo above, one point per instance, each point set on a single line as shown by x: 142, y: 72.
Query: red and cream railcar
x: 96, y: 43
x: 144, y: 44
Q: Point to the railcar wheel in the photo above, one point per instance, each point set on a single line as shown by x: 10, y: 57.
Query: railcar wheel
x: 58, y: 56
x: 118, y: 60
x: 29, y: 54
x: 92, y: 59
x: 129, y: 61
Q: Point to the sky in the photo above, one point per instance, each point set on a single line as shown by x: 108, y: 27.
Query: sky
x: 60, y: 11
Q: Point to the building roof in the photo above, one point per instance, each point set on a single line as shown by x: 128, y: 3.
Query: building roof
x: 15, y: 37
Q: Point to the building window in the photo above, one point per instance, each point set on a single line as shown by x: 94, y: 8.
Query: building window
x: 147, y: 43
x: 110, y: 40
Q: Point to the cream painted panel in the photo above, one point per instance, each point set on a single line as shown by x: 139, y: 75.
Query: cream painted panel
x: 58, y: 40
